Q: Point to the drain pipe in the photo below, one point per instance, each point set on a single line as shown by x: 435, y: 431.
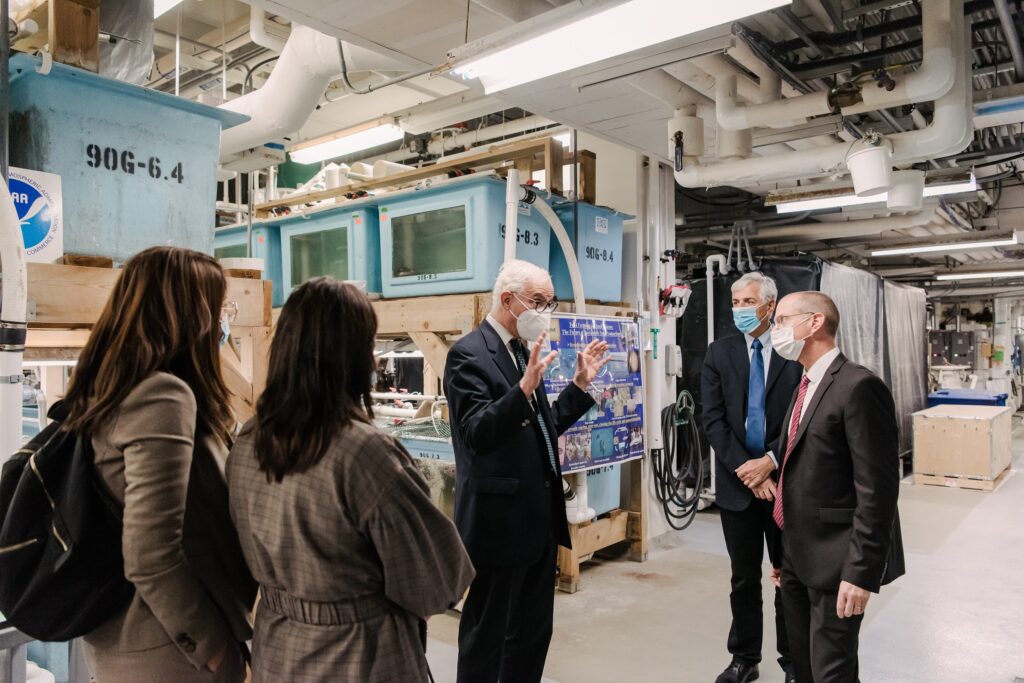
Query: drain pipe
x: 513, y: 194
x: 709, y: 275
x: 1011, y: 36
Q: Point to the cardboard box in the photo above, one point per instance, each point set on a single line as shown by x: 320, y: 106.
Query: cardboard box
x: 962, y: 445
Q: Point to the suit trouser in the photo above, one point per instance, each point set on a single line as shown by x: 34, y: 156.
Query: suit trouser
x: 506, y: 622
x: 823, y: 646
x: 745, y: 535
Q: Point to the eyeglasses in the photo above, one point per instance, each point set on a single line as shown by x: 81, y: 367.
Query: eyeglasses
x: 229, y: 311
x: 539, y: 305
x: 780, y: 319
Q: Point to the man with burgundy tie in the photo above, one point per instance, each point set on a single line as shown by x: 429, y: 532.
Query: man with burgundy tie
x: 836, y: 496
x: 745, y: 388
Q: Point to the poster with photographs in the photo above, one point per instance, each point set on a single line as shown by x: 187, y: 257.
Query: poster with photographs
x: 612, y: 431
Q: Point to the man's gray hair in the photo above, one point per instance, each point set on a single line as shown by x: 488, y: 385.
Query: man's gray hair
x: 514, y: 276
x: 769, y: 292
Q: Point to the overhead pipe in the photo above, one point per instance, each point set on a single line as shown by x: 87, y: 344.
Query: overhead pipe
x: 823, y: 231
x: 309, y: 62
x: 1011, y: 36
x: 950, y: 131
x: 932, y: 80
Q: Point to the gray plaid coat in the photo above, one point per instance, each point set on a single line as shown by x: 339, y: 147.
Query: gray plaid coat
x: 350, y: 555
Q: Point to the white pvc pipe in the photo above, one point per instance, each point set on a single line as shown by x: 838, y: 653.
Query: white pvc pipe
x: 13, y: 322
x: 310, y: 60
x: 950, y: 131
x: 258, y: 28
x: 445, y: 143
x: 560, y: 233
x: 779, y: 113
x: 412, y: 398
x: 828, y: 230
x: 513, y: 193
x: 709, y: 276
x: 391, y: 411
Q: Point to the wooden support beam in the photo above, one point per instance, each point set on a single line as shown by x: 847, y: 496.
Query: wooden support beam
x: 587, y: 539
x: 74, y: 33
x: 74, y: 296
x: 552, y: 149
x: 243, y: 404
x: 455, y: 314
x: 638, y: 510
x: 553, y: 163
x: 435, y: 353
x: 588, y: 176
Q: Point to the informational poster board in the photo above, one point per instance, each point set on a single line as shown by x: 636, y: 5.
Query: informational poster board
x: 613, y: 430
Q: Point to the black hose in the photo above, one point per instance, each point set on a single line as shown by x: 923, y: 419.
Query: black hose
x: 676, y: 471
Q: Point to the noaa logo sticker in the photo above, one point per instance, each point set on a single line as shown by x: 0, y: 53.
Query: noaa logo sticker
x: 37, y: 199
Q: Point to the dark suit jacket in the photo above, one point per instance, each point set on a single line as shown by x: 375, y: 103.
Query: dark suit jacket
x: 507, y: 500
x: 841, y: 483
x: 724, y: 382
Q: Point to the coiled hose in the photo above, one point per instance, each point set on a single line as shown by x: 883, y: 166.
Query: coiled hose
x: 679, y: 466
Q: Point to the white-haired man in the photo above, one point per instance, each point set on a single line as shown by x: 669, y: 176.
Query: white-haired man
x: 509, y: 507
x: 745, y: 389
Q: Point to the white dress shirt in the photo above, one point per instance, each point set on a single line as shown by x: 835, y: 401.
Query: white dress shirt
x: 815, y: 375
x: 506, y: 337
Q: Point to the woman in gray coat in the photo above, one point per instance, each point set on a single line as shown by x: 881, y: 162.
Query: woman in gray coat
x: 148, y: 391
x: 335, y: 522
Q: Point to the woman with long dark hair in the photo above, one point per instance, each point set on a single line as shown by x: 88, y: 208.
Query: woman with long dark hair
x: 148, y: 392
x: 335, y: 521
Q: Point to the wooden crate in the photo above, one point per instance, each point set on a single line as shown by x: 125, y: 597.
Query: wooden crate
x: 962, y: 446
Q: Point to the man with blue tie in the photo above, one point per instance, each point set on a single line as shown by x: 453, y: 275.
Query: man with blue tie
x: 745, y: 390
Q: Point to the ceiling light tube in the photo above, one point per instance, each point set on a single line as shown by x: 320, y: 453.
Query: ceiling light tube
x: 843, y: 200
x: 619, y: 30
x: 355, y: 139
x: 954, y: 247
x: 981, y: 276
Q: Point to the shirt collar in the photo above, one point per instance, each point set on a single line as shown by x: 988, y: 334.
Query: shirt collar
x: 506, y: 336
x: 822, y: 365
x: 766, y: 339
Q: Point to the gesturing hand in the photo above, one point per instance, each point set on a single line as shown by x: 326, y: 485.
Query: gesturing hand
x: 589, y: 362
x: 852, y: 600
x: 536, y: 367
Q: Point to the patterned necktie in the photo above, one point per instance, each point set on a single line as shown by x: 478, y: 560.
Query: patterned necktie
x: 755, y: 403
x: 520, y: 355
x: 794, y: 426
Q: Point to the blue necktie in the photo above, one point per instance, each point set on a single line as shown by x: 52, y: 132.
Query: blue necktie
x: 521, y: 362
x: 755, y: 402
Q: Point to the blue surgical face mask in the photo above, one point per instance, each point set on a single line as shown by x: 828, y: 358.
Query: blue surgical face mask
x: 225, y: 331
x: 746, y: 319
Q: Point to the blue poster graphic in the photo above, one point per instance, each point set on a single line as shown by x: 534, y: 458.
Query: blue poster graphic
x: 613, y: 430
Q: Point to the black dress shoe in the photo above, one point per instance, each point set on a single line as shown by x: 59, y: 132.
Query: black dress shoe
x: 738, y: 672
x: 790, y: 676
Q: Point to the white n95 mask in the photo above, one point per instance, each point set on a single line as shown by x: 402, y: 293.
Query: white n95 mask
x: 532, y: 324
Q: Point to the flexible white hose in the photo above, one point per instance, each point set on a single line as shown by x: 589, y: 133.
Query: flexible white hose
x: 12, y: 320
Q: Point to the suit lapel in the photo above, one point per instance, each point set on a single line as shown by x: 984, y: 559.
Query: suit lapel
x: 500, y: 353
x: 775, y: 366
x: 819, y: 393
x: 740, y: 359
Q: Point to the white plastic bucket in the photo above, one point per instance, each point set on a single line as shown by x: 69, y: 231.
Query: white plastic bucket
x: 871, y: 168
x: 907, y: 191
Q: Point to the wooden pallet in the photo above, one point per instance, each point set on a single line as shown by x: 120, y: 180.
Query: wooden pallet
x: 587, y: 538
x: 954, y: 481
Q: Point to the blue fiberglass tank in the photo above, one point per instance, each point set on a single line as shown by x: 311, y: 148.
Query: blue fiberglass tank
x: 137, y: 166
x: 342, y: 242
x: 598, y: 244
x: 230, y: 242
x: 449, y: 239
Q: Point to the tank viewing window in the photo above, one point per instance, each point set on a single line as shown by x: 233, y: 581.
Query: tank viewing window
x: 319, y: 253
x: 233, y: 251
x: 429, y: 243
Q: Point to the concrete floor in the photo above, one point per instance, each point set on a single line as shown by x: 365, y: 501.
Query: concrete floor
x: 957, y: 616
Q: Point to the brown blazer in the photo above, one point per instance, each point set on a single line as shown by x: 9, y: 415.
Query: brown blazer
x: 181, y: 551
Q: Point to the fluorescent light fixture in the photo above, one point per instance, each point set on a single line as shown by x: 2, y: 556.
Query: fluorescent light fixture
x: 355, y: 139
x: 954, y: 247
x: 839, y: 201
x: 619, y: 30
x: 161, y: 7
x: 981, y: 276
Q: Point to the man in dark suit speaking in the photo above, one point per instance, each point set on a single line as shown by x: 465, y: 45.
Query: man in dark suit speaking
x: 509, y: 506
x: 836, y: 497
x: 745, y: 388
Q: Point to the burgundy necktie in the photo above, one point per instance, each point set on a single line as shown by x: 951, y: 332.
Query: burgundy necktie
x: 794, y: 426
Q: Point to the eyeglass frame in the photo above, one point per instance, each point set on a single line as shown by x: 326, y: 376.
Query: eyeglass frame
x: 539, y: 307
x: 780, y: 318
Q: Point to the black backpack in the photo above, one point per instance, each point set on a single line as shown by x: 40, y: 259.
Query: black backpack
x: 61, y: 569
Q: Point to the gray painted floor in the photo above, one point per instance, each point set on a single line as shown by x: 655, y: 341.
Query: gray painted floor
x: 957, y: 616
